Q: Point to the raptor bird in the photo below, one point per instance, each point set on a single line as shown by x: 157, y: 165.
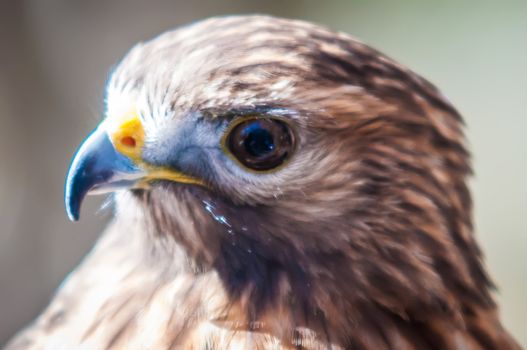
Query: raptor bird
x: 277, y: 185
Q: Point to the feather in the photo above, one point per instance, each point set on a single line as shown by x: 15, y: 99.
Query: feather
x: 363, y: 240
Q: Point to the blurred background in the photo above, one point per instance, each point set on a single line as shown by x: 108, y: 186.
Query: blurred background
x: 54, y: 59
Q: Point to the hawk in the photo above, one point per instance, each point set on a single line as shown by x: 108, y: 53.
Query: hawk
x: 277, y: 185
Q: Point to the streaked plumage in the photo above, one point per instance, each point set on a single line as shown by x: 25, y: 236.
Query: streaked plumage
x: 362, y: 240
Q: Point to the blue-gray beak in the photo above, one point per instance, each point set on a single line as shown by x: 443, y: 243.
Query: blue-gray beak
x: 97, y: 168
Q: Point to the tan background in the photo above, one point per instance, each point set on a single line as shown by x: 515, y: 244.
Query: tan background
x: 54, y: 59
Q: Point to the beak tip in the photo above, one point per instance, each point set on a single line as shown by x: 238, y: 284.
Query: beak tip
x: 72, y: 204
x: 73, y: 214
x: 76, y: 188
x: 73, y: 217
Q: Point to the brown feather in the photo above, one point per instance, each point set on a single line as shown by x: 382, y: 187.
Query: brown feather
x: 364, y: 241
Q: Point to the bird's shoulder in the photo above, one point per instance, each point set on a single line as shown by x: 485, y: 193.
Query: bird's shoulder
x: 143, y: 309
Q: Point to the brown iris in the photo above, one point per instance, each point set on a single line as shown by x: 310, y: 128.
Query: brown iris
x: 261, y: 144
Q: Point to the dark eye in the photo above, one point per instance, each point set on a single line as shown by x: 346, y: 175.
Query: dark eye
x: 260, y: 143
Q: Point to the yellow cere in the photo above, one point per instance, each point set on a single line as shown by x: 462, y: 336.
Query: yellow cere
x: 128, y: 137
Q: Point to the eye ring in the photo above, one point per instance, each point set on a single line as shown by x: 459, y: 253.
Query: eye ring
x: 259, y: 144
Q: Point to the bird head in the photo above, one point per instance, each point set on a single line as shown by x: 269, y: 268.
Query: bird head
x: 292, y: 160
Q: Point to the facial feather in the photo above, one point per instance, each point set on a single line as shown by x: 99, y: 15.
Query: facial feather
x: 372, y: 215
x: 363, y: 240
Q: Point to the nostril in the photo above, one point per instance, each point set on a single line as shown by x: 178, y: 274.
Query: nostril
x: 128, y: 141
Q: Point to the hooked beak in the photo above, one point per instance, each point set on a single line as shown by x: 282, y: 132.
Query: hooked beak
x: 111, y: 159
x: 97, y: 168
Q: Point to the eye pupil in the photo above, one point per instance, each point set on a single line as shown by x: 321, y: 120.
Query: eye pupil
x: 260, y: 144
